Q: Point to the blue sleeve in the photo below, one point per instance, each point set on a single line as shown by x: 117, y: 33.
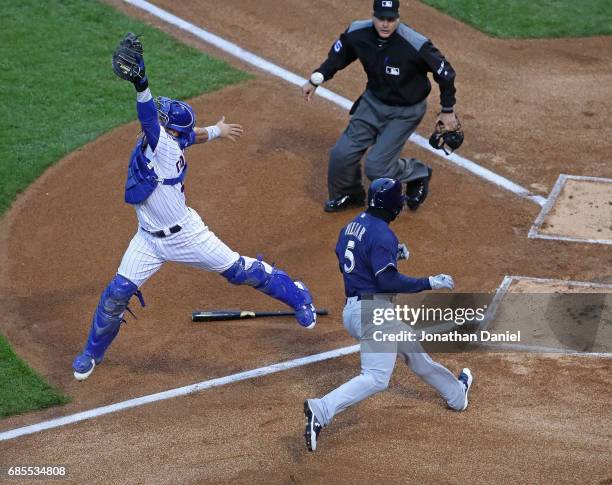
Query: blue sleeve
x: 147, y: 114
x: 391, y: 281
x: 383, y: 257
x: 383, y: 252
x: 187, y: 140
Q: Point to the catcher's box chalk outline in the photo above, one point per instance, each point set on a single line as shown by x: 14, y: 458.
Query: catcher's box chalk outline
x: 267, y: 66
x: 279, y: 367
x: 501, y: 292
x: 534, y: 232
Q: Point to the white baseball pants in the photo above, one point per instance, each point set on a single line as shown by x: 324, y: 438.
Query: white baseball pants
x: 194, y: 245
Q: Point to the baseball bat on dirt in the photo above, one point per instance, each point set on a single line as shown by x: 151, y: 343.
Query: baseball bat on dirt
x: 216, y: 315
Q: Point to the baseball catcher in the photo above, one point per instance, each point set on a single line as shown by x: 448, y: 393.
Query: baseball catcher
x: 168, y: 229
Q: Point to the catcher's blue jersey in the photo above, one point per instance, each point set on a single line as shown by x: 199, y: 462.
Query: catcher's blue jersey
x: 366, y: 247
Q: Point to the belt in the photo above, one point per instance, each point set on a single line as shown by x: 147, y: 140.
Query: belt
x: 383, y: 297
x: 164, y: 232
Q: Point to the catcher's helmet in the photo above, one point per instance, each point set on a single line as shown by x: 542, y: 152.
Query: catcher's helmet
x: 386, y: 193
x: 176, y: 115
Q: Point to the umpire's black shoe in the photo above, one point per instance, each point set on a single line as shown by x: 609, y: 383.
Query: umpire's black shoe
x: 417, y: 190
x: 344, y: 202
x: 313, y: 428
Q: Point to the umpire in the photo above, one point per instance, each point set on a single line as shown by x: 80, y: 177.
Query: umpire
x: 396, y: 60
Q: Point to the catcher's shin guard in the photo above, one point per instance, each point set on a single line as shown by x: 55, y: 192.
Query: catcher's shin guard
x: 108, y: 316
x: 275, y: 283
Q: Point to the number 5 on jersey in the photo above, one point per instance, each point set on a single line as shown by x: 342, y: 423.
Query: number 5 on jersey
x: 348, y: 254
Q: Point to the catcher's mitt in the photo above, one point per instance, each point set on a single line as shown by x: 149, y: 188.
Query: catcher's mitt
x: 441, y: 138
x: 128, y: 62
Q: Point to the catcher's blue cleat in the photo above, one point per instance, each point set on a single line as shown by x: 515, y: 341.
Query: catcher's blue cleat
x: 83, y: 365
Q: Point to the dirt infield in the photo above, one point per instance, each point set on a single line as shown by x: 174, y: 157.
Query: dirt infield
x: 532, y: 419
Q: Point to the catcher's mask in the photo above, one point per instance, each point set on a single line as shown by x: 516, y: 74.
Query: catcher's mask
x: 386, y: 193
x: 442, y: 139
x: 176, y: 115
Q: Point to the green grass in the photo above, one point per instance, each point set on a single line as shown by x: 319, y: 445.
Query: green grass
x: 58, y: 91
x: 532, y: 18
x: 22, y: 389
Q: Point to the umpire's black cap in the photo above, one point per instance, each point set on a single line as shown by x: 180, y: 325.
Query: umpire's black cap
x: 386, y: 9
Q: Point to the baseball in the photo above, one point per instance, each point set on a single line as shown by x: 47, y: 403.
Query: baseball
x: 316, y: 78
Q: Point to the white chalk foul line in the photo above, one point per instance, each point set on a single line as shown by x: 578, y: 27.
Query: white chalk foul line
x: 265, y: 65
x: 180, y: 391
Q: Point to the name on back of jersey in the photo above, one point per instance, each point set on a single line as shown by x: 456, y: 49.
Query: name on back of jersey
x: 355, y: 229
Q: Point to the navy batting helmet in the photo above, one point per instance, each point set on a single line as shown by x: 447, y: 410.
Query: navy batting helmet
x: 176, y: 115
x: 386, y: 193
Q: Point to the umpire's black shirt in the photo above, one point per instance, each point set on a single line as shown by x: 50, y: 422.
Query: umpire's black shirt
x: 396, y: 67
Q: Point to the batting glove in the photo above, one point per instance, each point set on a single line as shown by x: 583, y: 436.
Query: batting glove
x: 441, y: 281
x: 402, y: 252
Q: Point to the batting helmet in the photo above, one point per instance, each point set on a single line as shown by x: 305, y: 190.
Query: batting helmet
x: 386, y: 193
x: 176, y: 115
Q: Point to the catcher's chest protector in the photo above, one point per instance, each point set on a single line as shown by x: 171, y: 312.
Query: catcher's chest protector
x: 142, y: 180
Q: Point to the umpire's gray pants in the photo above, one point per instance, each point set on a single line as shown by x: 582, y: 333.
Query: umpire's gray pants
x: 377, y: 362
x: 384, y: 128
